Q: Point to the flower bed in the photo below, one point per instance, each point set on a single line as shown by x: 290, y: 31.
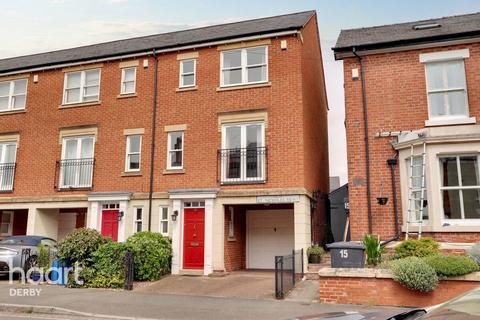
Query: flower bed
x: 376, y: 287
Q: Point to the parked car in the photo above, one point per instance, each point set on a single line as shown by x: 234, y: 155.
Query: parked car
x: 11, y: 249
x: 464, y: 307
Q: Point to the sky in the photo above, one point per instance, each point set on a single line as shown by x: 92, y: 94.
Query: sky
x: 33, y: 26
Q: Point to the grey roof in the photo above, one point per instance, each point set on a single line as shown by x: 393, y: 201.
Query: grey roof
x: 404, y: 33
x: 160, y: 41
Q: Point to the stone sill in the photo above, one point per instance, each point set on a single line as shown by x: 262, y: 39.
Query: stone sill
x: 131, y: 174
x: 244, y: 86
x: 77, y: 105
x: 381, y: 274
x: 126, y: 95
x: 4, y: 113
x: 173, y: 171
x: 184, y: 89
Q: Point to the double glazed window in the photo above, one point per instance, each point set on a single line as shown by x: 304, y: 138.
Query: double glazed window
x: 460, y: 186
x: 13, y: 95
x: 82, y: 86
x: 243, y: 155
x: 164, y: 220
x: 447, y: 89
x: 187, y: 73
x: 6, y: 223
x: 138, y: 223
x: 244, y: 66
x: 129, y: 76
x: 76, y: 166
x: 175, y: 150
x: 134, y: 144
x: 8, y: 152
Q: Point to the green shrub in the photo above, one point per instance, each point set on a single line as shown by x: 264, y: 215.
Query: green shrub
x: 152, y: 255
x: 415, y: 274
x: 417, y: 248
x: 79, y: 245
x: 107, y: 268
x: 474, y: 253
x: 43, y: 258
x: 451, y: 266
x: 373, y: 249
x: 315, y: 251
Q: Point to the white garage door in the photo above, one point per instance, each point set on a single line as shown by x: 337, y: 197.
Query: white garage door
x: 269, y: 234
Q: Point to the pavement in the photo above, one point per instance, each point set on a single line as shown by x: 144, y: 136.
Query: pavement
x: 119, y: 304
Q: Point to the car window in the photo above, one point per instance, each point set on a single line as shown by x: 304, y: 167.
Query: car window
x: 466, y: 307
x: 12, y: 241
x: 48, y: 242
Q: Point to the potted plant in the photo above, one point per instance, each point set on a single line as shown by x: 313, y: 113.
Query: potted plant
x: 315, y: 254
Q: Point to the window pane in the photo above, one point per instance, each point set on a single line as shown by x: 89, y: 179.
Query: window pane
x: 139, y: 226
x: 71, y: 149
x: 87, y: 148
x: 455, y: 74
x: 437, y: 104
x: 164, y: 227
x: 188, y: 80
x: 435, y: 76
x: 4, y: 89
x: 128, y: 87
x: 92, y: 91
x: 72, y: 95
x: 3, y: 103
x: 20, y: 86
x: 256, y: 56
x: 129, y: 75
x: 139, y: 213
x: 469, y: 171
x: 232, y: 76
x: 176, y: 158
x: 92, y: 77
x: 232, y: 59
x: 19, y: 102
x: 449, y: 172
x: 471, y: 203
x: 175, y: 140
x: 134, y: 144
x: 4, y: 228
x: 457, y: 100
x: 134, y: 161
x: 188, y: 66
x: 164, y: 213
x: 73, y: 80
x: 256, y: 74
x: 254, y: 135
x: 233, y: 137
x: 451, y: 204
x: 10, y: 150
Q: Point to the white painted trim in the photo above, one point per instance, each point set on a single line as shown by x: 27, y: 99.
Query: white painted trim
x: 193, y: 196
x: 122, y: 224
x: 161, y: 220
x: 444, y: 55
x: 135, y: 220
x: 177, y: 237
x: 181, y: 74
x: 134, y: 80
x: 450, y: 121
x: 149, y: 52
x: 208, y: 240
x: 243, y: 66
x: 169, y: 146
x: 127, y: 153
x: 82, y: 86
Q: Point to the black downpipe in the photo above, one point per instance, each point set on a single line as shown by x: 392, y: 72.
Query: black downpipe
x: 367, y: 149
x: 152, y: 144
x: 392, y: 163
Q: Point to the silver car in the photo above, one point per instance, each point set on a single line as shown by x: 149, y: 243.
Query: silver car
x: 22, y: 251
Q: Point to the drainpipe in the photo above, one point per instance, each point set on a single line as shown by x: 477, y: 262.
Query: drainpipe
x: 152, y: 143
x: 367, y: 151
x: 392, y: 163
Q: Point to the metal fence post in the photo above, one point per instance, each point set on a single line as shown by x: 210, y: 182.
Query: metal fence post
x: 293, y: 267
x: 129, y: 265
x: 303, y: 271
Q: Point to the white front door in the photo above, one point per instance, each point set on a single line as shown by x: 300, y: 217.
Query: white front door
x: 270, y: 233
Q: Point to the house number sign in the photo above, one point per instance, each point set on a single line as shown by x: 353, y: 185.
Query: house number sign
x: 278, y: 199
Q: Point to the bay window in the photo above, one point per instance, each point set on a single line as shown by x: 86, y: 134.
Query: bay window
x: 244, y: 66
x: 13, y: 95
x: 82, y: 86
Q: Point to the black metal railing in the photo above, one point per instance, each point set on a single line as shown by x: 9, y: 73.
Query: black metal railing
x: 129, y: 270
x: 75, y: 173
x: 289, y: 269
x: 7, y: 173
x: 243, y: 165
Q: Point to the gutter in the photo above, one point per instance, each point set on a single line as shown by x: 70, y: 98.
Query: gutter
x: 367, y: 149
x: 152, y: 143
x: 145, y: 53
x: 392, y: 163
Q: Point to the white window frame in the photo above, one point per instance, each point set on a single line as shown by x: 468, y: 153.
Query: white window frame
x: 231, y: 224
x: 11, y: 96
x: 182, y: 74
x: 136, y: 221
x: 170, y: 150
x: 82, y: 86
x: 243, y: 145
x: 10, y: 223
x: 460, y: 187
x: 164, y: 221
x: 3, y: 147
x: 244, y: 67
x: 128, y: 153
x: 122, y: 83
x: 79, y: 146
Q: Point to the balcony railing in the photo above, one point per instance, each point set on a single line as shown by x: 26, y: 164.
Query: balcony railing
x: 75, y: 173
x: 243, y: 165
x: 7, y: 173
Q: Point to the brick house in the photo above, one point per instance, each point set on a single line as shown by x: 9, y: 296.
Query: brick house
x: 237, y: 169
x: 418, y: 94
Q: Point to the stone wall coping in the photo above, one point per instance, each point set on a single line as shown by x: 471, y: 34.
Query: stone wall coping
x: 380, y: 274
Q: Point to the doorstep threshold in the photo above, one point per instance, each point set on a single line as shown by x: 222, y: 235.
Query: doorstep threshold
x: 191, y: 272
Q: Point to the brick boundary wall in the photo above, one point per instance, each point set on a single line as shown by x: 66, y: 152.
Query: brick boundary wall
x: 381, y: 289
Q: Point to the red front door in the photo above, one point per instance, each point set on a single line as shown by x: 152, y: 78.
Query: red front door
x: 110, y: 224
x: 193, y: 237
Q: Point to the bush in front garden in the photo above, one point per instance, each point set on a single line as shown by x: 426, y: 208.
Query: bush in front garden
x: 451, y: 266
x: 474, y: 252
x: 415, y: 274
x: 79, y: 245
x: 107, y: 267
x: 152, y: 255
x: 417, y: 248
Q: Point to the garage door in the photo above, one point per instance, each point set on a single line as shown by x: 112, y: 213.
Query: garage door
x: 269, y: 234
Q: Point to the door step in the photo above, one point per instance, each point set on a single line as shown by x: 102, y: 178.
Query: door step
x: 191, y: 272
